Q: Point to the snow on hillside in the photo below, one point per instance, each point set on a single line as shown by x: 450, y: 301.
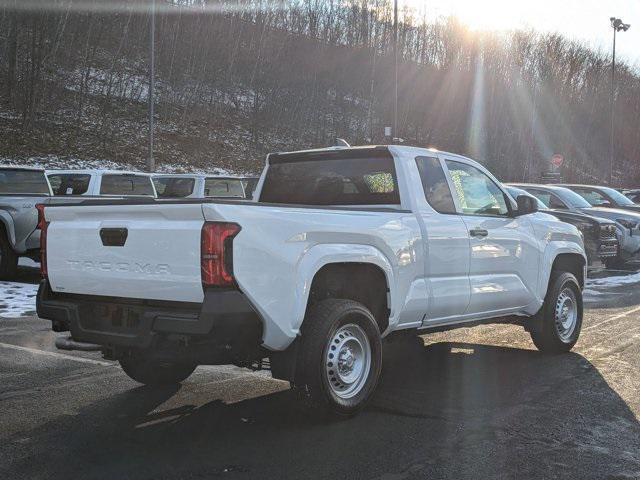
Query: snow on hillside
x: 55, y: 162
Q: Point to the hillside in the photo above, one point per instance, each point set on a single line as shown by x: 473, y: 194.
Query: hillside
x: 237, y: 82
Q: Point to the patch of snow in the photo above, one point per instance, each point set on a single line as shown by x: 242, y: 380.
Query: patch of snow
x: 55, y: 162
x: 27, y: 262
x: 9, y: 116
x: 615, y: 281
x: 17, y: 299
x: 591, y: 292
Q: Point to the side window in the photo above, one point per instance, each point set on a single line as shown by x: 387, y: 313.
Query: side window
x: 434, y: 183
x: 69, y: 183
x: 544, y: 197
x: 477, y: 193
x: 557, y: 203
x: 591, y: 196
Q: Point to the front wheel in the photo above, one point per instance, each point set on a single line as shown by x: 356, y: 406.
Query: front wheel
x: 155, y: 372
x: 557, y: 327
x: 340, y: 357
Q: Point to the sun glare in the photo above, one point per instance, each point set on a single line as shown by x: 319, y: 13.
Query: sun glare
x: 477, y: 15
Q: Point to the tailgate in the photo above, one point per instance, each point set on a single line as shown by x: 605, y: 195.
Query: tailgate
x: 134, y: 251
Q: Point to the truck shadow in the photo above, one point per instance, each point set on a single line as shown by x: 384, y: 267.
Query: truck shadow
x: 445, y: 410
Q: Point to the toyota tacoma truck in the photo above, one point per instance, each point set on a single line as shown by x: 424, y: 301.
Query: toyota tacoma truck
x: 340, y: 248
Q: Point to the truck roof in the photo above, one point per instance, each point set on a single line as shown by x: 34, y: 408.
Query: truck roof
x: 22, y: 167
x: 96, y: 171
x: 195, y: 175
x: 338, y: 152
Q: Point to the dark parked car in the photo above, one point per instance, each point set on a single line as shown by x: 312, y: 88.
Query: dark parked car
x: 632, y: 194
x: 600, y: 236
x: 604, y: 197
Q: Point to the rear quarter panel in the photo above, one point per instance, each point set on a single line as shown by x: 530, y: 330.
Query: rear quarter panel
x: 280, y: 249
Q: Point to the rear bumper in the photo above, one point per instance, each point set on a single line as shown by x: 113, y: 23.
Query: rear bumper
x: 225, y: 317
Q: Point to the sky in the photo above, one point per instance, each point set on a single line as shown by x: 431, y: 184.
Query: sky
x: 583, y: 20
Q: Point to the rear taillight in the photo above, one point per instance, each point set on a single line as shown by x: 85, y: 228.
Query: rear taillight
x: 42, y: 226
x: 216, y: 254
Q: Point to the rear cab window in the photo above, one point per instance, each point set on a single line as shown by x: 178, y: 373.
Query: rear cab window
x: 332, y: 178
x: 21, y: 182
x: 69, y: 183
x: 223, y: 187
x: 173, y: 187
x: 126, y: 185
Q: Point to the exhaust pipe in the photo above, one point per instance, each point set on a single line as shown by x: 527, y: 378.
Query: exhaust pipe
x: 68, y: 343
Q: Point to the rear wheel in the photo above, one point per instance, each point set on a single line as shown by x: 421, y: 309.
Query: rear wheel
x: 558, y: 325
x: 340, y: 357
x: 8, y: 258
x: 155, y: 372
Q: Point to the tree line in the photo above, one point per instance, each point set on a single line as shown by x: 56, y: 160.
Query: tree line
x: 302, y: 72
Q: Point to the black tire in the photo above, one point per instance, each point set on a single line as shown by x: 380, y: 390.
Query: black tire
x: 8, y: 258
x: 314, y: 374
x: 154, y: 372
x: 550, y: 335
x: 614, y: 263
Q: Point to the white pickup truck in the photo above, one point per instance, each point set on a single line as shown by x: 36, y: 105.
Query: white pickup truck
x: 341, y: 247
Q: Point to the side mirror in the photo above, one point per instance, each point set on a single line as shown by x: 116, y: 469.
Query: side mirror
x: 605, y: 203
x: 526, y: 205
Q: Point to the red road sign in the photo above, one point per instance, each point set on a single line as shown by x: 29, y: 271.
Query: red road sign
x: 557, y: 160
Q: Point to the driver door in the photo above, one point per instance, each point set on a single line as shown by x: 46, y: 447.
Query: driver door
x: 504, y: 257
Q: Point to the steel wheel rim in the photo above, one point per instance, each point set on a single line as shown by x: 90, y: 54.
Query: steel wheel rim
x: 348, y: 361
x: 566, y: 314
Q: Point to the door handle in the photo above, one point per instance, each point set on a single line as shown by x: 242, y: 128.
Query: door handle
x: 479, y: 232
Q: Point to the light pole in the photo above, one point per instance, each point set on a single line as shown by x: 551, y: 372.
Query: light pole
x: 151, y: 166
x: 395, y: 70
x: 618, y: 26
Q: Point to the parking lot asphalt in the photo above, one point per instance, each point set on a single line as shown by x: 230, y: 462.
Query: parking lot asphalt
x: 471, y: 403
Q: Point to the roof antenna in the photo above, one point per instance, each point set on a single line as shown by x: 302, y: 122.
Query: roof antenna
x: 341, y: 142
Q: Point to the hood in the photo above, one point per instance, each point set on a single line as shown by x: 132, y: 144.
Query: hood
x: 578, y: 216
x: 612, y: 213
x: 628, y: 208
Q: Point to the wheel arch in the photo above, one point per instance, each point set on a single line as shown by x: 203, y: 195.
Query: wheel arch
x: 357, y: 265
x: 7, y: 228
x: 362, y: 282
x: 570, y: 260
x: 572, y: 263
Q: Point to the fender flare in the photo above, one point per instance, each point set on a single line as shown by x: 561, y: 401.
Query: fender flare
x: 319, y: 256
x: 550, y: 255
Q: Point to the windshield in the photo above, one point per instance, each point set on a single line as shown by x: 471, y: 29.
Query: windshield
x: 173, y: 187
x: 223, y: 187
x: 23, y: 182
x: 126, y: 184
x: 571, y: 198
x: 516, y: 192
x: 619, y: 198
x: 69, y: 183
